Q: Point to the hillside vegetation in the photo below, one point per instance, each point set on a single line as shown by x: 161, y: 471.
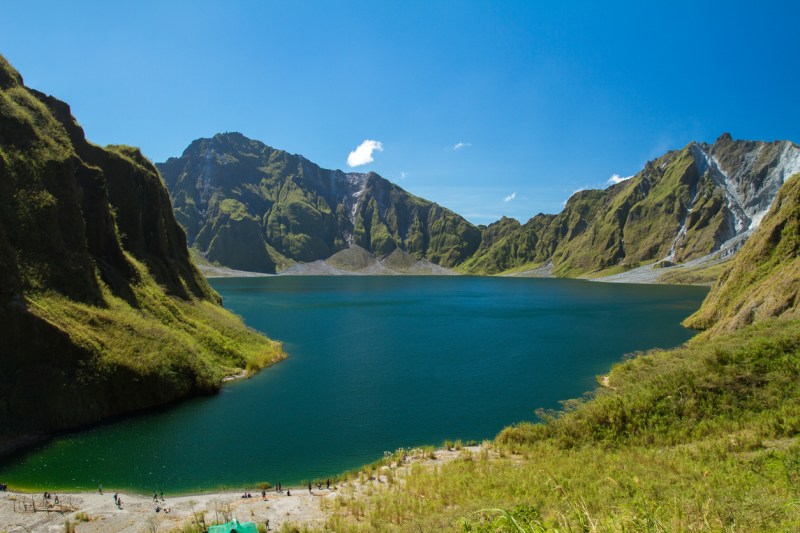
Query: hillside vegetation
x: 101, y: 310
x: 702, y: 437
x: 248, y: 206
x: 682, y: 206
x: 765, y: 279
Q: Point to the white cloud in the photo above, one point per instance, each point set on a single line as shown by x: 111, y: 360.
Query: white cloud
x: 510, y: 197
x: 459, y: 146
x: 363, y: 154
x: 616, y: 178
x: 401, y: 176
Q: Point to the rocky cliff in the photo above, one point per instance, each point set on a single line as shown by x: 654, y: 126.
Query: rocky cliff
x: 251, y: 207
x: 101, y: 310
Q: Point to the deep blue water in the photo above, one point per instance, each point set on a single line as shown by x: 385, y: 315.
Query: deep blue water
x: 375, y: 363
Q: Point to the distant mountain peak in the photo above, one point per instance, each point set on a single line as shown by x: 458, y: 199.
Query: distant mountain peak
x: 252, y: 207
x: 725, y: 137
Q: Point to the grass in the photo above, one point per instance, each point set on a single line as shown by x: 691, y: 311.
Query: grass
x: 704, y: 437
x: 699, y: 275
x: 521, y: 268
x: 617, y: 269
x: 162, y: 331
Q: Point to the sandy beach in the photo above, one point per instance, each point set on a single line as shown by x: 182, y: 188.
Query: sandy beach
x: 95, y: 512
x: 138, y: 513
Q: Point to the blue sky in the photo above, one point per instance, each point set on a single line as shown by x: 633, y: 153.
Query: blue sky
x: 544, y: 97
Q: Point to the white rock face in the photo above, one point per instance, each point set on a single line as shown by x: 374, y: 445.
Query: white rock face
x: 788, y: 165
x: 205, y: 181
x: 750, y: 185
x: 751, y: 194
x: 351, y: 197
x: 732, y: 187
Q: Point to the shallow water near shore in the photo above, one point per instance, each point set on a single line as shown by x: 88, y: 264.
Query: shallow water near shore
x: 375, y: 363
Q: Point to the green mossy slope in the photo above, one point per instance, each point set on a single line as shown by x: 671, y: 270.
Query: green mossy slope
x: 764, y: 281
x: 101, y: 310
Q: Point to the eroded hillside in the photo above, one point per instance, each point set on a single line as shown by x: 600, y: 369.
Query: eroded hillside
x: 101, y: 310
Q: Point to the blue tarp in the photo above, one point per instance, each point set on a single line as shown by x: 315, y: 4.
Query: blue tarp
x: 234, y: 525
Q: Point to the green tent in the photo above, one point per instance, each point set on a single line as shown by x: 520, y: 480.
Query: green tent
x: 234, y: 525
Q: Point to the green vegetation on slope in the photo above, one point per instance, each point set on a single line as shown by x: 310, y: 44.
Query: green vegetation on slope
x: 101, y: 310
x: 675, y: 207
x: 764, y: 280
x: 702, y: 437
x: 696, y: 275
x: 248, y: 206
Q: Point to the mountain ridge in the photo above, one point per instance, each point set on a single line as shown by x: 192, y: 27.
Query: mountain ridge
x: 229, y: 189
x: 684, y: 205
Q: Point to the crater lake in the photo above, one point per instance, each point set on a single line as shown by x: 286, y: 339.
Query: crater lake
x: 375, y: 364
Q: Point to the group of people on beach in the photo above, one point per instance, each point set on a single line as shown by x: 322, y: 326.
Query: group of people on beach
x: 319, y: 485
x: 157, y: 499
x: 279, y: 489
x: 48, y: 497
x: 159, y: 495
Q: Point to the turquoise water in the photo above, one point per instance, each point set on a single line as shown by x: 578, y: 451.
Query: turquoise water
x: 375, y: 363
